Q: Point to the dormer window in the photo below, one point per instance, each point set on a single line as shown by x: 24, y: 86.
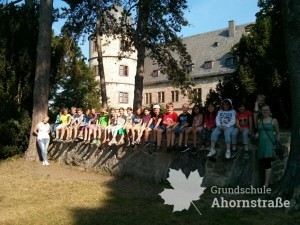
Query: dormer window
x: 231, y: 62
x: 216, y: 44
x: 208, y: 64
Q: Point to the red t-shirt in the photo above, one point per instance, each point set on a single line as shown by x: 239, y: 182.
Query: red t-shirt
x: 244, y: 118
x: 170, y: 118
x: 210, y: 121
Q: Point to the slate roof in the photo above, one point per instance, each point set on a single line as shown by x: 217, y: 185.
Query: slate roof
x: 211, y: 46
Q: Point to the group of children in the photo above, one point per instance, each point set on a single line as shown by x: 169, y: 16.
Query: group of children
x: 116, y: 128
x: 103, y: 126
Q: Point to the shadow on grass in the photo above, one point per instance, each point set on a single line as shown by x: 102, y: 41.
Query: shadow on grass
x: 135, y: 203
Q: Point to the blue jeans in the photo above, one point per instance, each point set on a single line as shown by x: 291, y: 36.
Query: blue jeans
x: 227, y: 133
x: 245, y: 133
x: 43, y: 144
x: 53, y: 127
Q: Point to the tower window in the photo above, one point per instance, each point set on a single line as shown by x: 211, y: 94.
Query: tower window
x: 124, y: 45
x: 123, y: 70
x: 95, y: 49
x: 123, y: 97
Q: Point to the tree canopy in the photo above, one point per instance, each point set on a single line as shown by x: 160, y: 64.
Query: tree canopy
x: 262, y: 66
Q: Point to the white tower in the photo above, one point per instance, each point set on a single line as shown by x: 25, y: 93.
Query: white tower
x: 119, y: 71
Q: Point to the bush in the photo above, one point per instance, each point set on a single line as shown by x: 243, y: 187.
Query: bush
x: 14, y: 135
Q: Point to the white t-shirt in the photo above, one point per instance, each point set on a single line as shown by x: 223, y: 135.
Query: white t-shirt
x: 43, y: 130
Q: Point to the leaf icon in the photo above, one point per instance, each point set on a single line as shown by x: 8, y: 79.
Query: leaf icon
x: 185, y: 191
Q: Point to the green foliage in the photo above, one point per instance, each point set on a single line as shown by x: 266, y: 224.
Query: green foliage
x: 73, y: 81
x: 156, y: 25
x: 18, y: 28
x: 262, y: 66
x: 18, y: 39
x: 14, y: 133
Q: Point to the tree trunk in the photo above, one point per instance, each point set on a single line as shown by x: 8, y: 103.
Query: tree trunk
x: 140, y: 40
x: 42, y: 74
x: 139, y: 77
x: 100, y: 63
x: 289, y: 186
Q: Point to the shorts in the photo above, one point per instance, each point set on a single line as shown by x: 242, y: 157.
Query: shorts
x: 136, y: 126
x: 82, y: 128
x: 92, y: 127
x: 61, y: 126
x: 158, y: 127
x: 122, y: 131
x: 101, y: 127
x: 177, y: 130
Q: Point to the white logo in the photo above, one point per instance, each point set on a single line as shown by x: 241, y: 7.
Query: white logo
x: 186, y: 190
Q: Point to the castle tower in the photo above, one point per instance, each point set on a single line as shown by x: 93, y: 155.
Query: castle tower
x: 119, y: 69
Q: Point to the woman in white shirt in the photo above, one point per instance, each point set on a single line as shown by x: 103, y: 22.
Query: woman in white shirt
x: 42, y: 131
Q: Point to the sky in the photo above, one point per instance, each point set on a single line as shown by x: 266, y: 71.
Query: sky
x: 203, y: 16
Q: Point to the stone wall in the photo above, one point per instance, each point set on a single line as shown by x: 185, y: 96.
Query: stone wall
x: 138, y: 163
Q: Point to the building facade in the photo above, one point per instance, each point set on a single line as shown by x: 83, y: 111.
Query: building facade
x: 211, y: 61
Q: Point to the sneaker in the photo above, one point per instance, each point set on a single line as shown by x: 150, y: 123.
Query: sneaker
x: 46, y: 163
x: 80, y: 137
x: 227, y: 154
x: 211, y: 153
x: 60, y: 140
x: 43, y: 163
x: 128, y: 144
x: 194, y: 150
x: 98, y: 142
x: 184, y: 148
x: 94, y: 142
x: 55, y: 139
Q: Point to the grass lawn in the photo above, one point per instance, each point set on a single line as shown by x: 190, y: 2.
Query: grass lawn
x: 34, y: 194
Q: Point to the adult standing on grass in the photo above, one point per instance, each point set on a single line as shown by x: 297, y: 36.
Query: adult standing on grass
x: 42, y: 131
x: 268, y: 131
